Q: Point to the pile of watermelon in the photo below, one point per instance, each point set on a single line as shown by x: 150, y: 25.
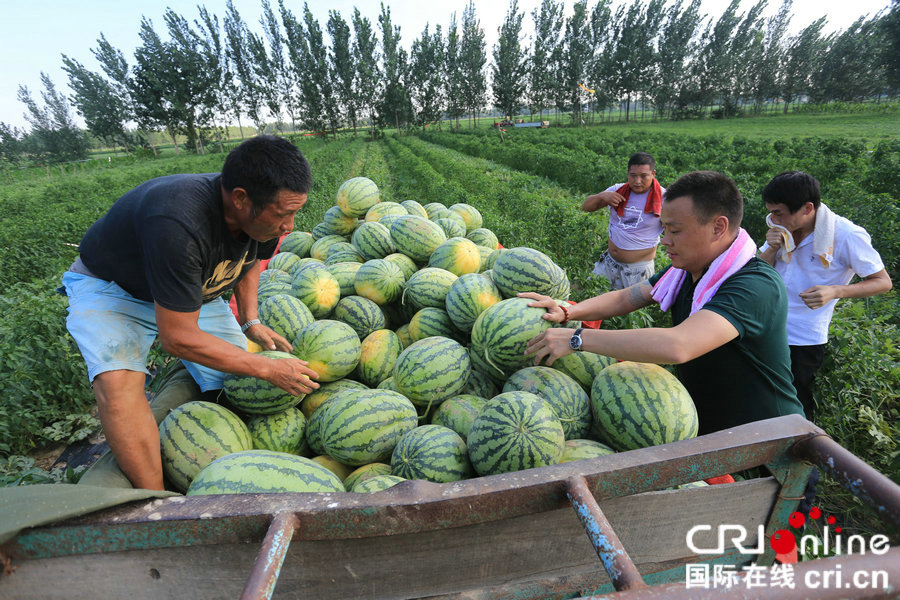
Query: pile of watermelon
x: 409, y: 315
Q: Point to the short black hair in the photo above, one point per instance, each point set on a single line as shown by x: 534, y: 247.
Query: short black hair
x: 263, y: 165
x: 793, y: 189
x: 713, y: 194
x: 642, y: 158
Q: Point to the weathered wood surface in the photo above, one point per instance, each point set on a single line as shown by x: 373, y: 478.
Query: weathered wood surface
x: 522, y: 557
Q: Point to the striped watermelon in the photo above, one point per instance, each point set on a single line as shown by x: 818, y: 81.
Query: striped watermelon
x: 297, y: 242
x: 273, y: 274
x: 432, y: 207
x: 320, y: 247
x: 379, y: 352
x: 502, y: 332
x: 469, y: 214
x: 637, y: 405
x: 430, y: 322
x: 317, y: 289
x: 283, y: 261
x: 256, y: 396
x: 194, y: 435
x: 431, y: 452
x: 431, y: 370
x: 403, y: 334
x: 406, y: 264
x: 459, y: 412
x: 326, y: 390
x: 446, y: 213
x: 484, y: 237
x: 330, y: 347
x: 364, y: 426
x: 489, y: 263
x: 388, y: 384
x: 320, y: 231
x: 486, y: 255
x: 416, y: 237
x: 479, y: 384
x: 565, y: 397
x: 357, y: 195
x: 468, y: 297
x: 366, y: 472
x: 373, y: 240
x: 284, y: 431
x: 285, y: 315
x: 341, y: 247
x: 515, y: 431
x: 302, y: 264
x: 526, y: 270
x: 379, y: 280
x: 451, y: 227
x: 582, y: 367
x: 273, y: 287
x: 376, y: 484
x: 457, y: 255
x: 388, y: 220
x: 339, y: 223
x: 363, y: 315
x: 494, y: 374
x: 343, y: 255
x: 383, y: 209
x: 428, y: 287
x: 264, y: 472
x: 414, y: 208
x: 338, y: 468
x: 582, y: 448
x: 345, y: 274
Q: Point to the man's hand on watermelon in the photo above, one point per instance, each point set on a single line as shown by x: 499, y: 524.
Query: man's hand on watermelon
x: 555, y: 314
x: 267, y: 338
x: 292, y: 375
x: 550, y: 345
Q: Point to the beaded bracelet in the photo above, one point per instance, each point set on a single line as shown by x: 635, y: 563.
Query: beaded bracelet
x: 565, y: 314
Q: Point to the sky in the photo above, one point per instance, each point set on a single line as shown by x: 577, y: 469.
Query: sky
x: 37, y: 32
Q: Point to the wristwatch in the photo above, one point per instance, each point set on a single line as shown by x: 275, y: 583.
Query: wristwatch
x: 575, y: 341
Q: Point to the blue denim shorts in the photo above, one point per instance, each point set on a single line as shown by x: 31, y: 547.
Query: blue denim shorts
x: 114, y: 330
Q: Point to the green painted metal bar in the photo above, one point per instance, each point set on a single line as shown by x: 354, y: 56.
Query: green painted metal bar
x: 793, y: 476
x: 622, y: 571
x: 261, y: 583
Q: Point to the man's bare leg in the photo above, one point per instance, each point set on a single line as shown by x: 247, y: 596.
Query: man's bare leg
x: 129, y: 426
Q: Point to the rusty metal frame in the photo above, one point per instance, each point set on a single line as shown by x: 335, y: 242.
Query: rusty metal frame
x: 787, y: 445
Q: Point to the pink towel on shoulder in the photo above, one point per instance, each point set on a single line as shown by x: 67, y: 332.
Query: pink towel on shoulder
x: 725, y: 265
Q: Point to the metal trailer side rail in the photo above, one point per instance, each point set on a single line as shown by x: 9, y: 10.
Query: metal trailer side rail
x: 784, y: 445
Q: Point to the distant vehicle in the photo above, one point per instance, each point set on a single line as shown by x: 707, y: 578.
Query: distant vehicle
x: 521, y: 123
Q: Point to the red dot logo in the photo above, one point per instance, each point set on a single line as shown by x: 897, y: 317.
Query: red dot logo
x: 797, y: 520
x: 782, y: 541
x: 837, y: 529
x: 815, y: 513
x: 831, y: 519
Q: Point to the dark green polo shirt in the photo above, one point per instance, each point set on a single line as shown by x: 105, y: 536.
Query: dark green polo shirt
x: 749, y: 378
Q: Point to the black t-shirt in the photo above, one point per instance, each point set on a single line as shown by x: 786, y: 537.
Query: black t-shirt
x: 166, y: 241
x: 749, y: 378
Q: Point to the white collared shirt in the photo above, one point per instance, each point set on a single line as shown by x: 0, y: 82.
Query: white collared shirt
x: 853, y: 254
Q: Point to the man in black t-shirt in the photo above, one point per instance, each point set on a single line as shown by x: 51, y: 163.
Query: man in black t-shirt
x: 157, y: 263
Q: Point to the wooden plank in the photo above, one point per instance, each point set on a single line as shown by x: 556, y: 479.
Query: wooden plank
x: 544, y: 547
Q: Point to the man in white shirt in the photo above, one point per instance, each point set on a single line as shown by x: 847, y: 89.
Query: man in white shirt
x: 817, y: 254
x: 634, y: 226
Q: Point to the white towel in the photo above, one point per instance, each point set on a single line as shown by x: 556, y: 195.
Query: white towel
x: 788, y: 245
x: 823, y: 235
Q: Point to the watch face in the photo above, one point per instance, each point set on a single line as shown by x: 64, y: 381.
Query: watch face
x: 575, y: 342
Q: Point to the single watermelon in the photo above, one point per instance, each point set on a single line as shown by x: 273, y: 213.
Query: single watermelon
x: 431, y: 452
x: 263, y: 472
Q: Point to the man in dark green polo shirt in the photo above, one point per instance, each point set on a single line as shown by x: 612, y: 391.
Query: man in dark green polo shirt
x: 729, y: 311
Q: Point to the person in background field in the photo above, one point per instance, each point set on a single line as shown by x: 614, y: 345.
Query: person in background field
x: 634, y: 226
x: 817, y: 253
x: 157, y: 263
x: 729, y: 309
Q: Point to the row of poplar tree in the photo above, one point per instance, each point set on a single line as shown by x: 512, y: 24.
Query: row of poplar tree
x: 663, y: 54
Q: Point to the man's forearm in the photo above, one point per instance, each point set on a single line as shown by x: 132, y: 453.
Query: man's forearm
x: 612, y: 304
x: 213, y: 352
x: 245, y: 294
x: 769, y: 255
x: 873, y: 285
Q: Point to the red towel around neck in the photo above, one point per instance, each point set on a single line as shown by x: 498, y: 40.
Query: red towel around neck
x: 654, y: 199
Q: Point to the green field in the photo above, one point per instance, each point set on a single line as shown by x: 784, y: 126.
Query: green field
x: 529, y: 188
